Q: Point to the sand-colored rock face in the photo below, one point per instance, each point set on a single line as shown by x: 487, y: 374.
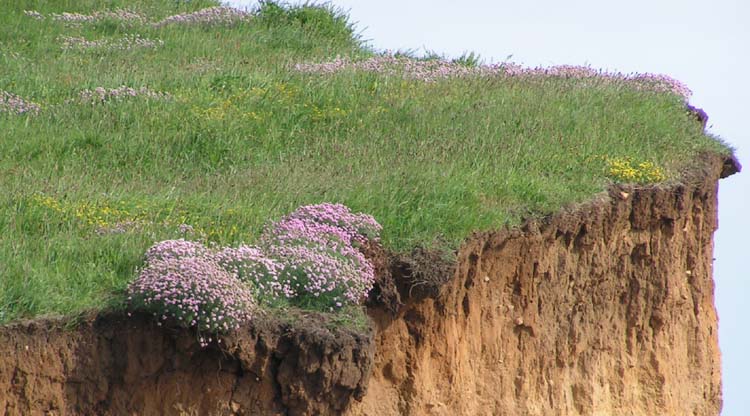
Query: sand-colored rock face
x: 604, y: 310
x: 607, y: 310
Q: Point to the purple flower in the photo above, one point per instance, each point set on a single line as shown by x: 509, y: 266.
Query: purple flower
x: 250, y: 264
x: 194, y: 291
x: 435, y: 69
x: 174, y: 249
x: 127, y: 42
x: 309, y: 258
x: 208, y: 16
x: 34, y: 14
x: 321, y: 277
x: 351, y: 226
x: 103, y: 95
x: 185, y: 229
x: 122, y: 15
x: 13, y: 104
x: 317, y: 247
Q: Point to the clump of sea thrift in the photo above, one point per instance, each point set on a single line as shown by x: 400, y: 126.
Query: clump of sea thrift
x: 122, y: 15
x: 193, y: 291
x: 208, y: 16
x: 646, y: 81
x: 321, y: 277
x: 102, y: 95
x: 13, y: 104
x: 305, y: 231
x: 125, y: 43
x: 34, y: 14
x: 428, y: 70
x: 431, y: 70
x: 186, y: 229
x: 175, y: 249
x: 310, y: 258
x: 118, y: 14
x: 317, y: 246
x: 360, y: 227
x: 251, y: 265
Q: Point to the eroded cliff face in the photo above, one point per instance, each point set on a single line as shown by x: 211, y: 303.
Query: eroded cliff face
x: 131, y: 366
x: 606, y: 309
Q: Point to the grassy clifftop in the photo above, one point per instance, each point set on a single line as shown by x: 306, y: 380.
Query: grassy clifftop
x: 127, y: 122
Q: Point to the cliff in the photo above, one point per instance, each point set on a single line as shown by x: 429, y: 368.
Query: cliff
x: 606, y: 308
x: 129, y: 365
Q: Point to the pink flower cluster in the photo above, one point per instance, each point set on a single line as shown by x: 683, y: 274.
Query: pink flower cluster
x: 193, y: 291
x: 127, y: 42
x: 309, y: 258
x: 317, y: 246
x: 13, y: 104
x: 208, y: 16
x: 76, y: 18
x: 102, y: 95
x: 175, y: 249
x: 646, y: 81
x: 429, y: 70
x: 322, y: 277
x: 295, y: 231
x: 432, y: 70
x: 251, y: 265
x: 34, y: 14
x: 359, y: 227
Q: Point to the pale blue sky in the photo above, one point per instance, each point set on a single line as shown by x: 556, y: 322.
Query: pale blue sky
x: 705, y: 44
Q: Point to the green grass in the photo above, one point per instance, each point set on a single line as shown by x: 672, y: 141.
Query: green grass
x: 246, y: 139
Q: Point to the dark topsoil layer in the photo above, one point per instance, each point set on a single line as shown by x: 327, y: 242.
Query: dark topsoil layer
x: 114, y: 364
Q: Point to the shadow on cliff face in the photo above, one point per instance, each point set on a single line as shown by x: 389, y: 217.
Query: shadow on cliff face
x: 414, y: 275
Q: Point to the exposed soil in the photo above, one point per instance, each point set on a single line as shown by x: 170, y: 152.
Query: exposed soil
x: 605, y: 309
x: 131, y: 366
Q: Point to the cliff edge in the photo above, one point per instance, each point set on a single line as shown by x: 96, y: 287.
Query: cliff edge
x: 607, y: 309
x: 603, y: 309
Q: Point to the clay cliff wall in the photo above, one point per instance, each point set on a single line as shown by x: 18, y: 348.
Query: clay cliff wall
x: 604, y: 309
